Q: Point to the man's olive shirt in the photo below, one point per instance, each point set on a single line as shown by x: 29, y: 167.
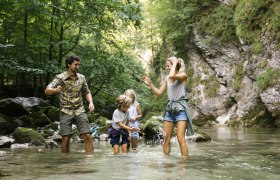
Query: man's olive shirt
x: 70, y: 96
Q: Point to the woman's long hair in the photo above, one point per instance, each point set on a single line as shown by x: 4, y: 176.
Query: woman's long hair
x: 180, y: 66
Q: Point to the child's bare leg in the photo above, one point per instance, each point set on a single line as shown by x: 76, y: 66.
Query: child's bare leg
x: 124, y: 148
x: 134, y: 143
x: 116, y: 149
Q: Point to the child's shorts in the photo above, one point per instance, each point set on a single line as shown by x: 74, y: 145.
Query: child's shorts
x: 119, y: 140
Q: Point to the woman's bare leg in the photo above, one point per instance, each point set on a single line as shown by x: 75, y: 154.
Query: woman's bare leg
x: 181, y: 132
x: 124, y: 148
x: 167, y: 129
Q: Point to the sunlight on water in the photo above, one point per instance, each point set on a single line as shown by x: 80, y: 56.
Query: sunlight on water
x: 233, y: 154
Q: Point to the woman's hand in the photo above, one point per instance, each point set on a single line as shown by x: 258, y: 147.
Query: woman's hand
x: 146, y: 80
x: 175, y: 61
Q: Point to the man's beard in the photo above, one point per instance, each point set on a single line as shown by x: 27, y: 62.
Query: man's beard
x: 75, y: 71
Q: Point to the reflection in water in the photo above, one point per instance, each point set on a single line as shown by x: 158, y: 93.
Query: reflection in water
x: 233, y: 154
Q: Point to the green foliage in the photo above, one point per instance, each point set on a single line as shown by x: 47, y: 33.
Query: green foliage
x: 263, y: 64
x: 268, y: 78
x: 238, y: 76
x: 245, y: 19
x: 257, y: 48
x: 37, y: 37
x: 272, y: 24
x: 212, y: 86
x: 219, y: 23
x: 251, y: 17
x: 15, y: 67
x: 176, y: 20
x: 190, y: 73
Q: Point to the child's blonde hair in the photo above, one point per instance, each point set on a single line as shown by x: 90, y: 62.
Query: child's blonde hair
x: 180, y: 66
x: 123, y: 101
x: 131, y: 93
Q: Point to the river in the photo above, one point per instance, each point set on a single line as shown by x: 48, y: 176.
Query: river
x: 233, y: 153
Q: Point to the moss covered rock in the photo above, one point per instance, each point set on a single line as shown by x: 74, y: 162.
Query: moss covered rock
x: 27, y: 121
x: 52, y: 113
x: 26, y: 135
x: 54, y: 125
x: 258, y: 116
x: 101, y: 121
x: 152, y: 128
x: 200, y: 135
x: 3, y: 125
x: 40, y: 119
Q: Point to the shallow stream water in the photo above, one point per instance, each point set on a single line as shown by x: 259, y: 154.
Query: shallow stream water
x: 232, y: 154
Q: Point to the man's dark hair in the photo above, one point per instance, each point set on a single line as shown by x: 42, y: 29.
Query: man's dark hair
x: 70, y: 60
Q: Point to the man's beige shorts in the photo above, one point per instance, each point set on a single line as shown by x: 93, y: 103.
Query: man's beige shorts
x: 66, y: 121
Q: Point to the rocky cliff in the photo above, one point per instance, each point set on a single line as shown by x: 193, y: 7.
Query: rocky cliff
x: 233, y: 85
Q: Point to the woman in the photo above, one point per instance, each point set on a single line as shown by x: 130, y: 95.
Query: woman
x: 176, y: 112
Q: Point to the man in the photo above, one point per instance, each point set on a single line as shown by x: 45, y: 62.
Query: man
x: 70, y: 85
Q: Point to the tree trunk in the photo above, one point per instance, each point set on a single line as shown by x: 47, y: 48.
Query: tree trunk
x: 24, y: 60
x: 51, y: 44
x: 60, y: 46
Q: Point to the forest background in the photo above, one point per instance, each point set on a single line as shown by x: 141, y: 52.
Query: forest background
x: 121, y: 40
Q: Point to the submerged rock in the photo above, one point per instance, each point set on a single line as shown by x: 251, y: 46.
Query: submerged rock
x: 17, y: 146
x: 6, y: 142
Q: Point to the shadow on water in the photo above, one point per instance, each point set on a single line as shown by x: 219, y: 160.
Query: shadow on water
x: 233, y: 154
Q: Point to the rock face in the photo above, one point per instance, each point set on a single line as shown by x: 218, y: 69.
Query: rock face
x: 225, y: 88
x: 23, y: 112
x: 19, y: 106
x: 6, y: 142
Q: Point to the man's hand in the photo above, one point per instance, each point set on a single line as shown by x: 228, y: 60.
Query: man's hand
x: 91, y: 107
x: 58, y: 89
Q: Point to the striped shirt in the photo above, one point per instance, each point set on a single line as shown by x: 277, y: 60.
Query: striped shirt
x: 71, y: 101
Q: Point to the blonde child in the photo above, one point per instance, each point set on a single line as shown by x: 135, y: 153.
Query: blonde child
x: 134, y: 115
x: 120, y: 131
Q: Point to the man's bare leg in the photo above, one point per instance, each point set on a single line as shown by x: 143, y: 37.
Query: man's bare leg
x: 65, y: 144
x: 88, y: 143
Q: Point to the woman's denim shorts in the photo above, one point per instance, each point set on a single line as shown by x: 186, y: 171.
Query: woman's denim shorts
x: 181, y: 116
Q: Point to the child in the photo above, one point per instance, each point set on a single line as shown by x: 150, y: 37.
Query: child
x: 120, y: 131
x: 134, y: 114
